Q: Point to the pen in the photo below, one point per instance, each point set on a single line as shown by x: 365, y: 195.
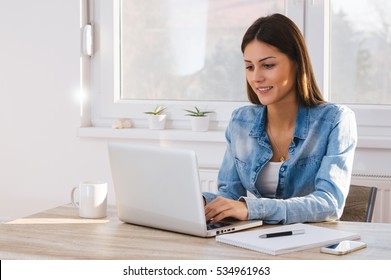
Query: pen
x: 282, y: 233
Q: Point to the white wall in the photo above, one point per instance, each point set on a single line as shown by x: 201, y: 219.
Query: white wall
x: 41, y: 157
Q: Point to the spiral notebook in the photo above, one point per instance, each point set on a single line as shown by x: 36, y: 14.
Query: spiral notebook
x: 314, y: 236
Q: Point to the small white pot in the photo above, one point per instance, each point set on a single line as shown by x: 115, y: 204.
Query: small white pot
x: 156, y: 121
x: 200, y: 123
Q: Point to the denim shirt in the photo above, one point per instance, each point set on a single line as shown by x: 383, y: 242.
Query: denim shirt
x: 313, y: 183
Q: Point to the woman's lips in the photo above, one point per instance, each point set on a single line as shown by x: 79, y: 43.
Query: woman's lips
x: 263, y: 90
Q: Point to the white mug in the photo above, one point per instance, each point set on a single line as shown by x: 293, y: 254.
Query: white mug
x: 91, y: 199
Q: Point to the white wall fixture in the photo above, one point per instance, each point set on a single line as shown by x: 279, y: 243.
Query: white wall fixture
x: 87, y: 40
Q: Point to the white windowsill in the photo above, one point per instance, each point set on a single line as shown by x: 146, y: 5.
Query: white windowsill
x: 214, y: 136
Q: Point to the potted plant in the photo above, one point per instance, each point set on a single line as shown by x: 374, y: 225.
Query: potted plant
x: 199, y: 119
x: 157, y: 117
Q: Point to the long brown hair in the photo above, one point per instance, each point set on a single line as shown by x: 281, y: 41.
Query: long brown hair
x: 281, y: 32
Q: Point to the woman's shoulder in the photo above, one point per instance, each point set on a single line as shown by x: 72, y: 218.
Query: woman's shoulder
x: 248, y: 112
x: 331, y: 111
x: 329, y: 106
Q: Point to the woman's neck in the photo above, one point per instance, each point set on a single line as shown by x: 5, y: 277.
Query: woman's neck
x: 280, y: 127
x: 282, y: 117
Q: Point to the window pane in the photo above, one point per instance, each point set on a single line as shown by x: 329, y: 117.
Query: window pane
x: 186, y: 50
x: 360, y: 51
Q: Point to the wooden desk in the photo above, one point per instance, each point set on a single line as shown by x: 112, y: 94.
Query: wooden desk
x: 60, y: 234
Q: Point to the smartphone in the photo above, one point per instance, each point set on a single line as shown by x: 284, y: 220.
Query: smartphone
x: 343, y: 247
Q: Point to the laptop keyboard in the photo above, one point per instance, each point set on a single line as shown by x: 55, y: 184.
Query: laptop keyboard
x: 210, y: 226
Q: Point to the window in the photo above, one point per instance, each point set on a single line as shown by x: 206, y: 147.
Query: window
x: 147, y: 58
x: 179, y: 53
x: 186, y: 50
x: 336, y: 65
x: 360, y: 51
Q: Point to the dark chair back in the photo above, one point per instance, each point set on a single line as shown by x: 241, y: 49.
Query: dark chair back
x: 360, y: 204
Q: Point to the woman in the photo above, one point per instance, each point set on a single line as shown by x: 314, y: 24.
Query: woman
x: 292, y: 150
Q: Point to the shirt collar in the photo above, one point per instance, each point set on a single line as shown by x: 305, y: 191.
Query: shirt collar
x: 301, y: 126
x: 302, y: 123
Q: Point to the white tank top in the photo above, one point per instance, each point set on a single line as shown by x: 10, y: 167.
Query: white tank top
x: 267, y: 180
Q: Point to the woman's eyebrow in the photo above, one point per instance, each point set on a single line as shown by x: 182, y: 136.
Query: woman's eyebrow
x: 262, y: 59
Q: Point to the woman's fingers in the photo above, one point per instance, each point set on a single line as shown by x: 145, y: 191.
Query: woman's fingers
x: 221, y: 208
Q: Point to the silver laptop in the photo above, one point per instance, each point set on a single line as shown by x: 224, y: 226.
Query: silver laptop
x: 160, y: 187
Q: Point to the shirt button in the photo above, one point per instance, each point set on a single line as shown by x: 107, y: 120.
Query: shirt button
x: 282, y: 169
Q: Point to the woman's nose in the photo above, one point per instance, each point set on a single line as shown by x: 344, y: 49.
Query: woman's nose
x: 257, y: 76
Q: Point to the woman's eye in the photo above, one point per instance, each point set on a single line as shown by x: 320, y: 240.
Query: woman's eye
x: 268, y: 66
x: 249, y: 67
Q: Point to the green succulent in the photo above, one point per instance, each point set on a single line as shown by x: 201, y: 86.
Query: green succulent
x: 159, y: 109
x: 197, y: 112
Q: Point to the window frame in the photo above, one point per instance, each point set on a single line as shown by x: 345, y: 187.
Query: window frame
x: 374, y: 127
x: 106, y: 106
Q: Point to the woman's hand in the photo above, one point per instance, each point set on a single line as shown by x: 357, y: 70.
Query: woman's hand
x: 221, y: 208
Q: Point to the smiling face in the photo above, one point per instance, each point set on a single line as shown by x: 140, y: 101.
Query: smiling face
x: 270, y: 73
